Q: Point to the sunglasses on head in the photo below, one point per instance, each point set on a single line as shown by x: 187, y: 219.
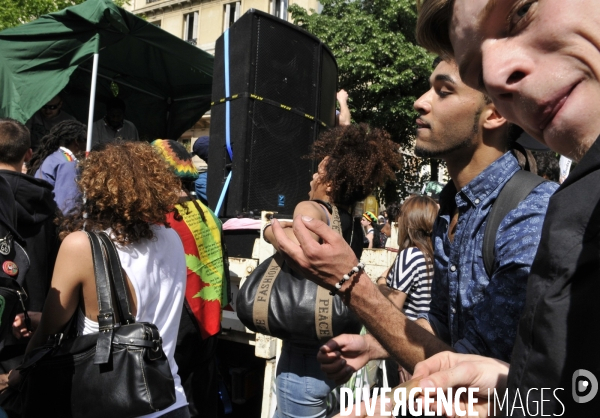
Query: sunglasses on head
x: 51, y: 107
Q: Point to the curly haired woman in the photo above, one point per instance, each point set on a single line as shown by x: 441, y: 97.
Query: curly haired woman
x: 128, y: 191
x: 353, y: 161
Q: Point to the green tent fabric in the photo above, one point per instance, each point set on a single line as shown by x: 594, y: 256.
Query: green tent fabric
x: 165, y: 82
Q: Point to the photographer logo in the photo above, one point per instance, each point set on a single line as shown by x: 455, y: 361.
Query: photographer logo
x: 585, y: 386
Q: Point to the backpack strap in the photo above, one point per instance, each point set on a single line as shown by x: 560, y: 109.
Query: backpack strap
x: 513, y: 192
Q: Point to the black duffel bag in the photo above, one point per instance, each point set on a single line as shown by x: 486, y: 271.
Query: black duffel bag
x: 120, y: 371
x: 275, y: 300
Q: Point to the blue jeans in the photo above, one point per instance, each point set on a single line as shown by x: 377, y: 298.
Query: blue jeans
x: 302, y: 387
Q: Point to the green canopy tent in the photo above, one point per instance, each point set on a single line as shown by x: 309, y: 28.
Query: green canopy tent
x: 165, y: 82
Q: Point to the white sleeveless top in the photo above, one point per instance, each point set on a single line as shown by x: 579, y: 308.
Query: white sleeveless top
x: 157, y: 271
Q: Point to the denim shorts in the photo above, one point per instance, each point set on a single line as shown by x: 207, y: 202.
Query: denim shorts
x: 302, y: 387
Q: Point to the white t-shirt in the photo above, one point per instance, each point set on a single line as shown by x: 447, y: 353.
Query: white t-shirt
x: 157, y: 271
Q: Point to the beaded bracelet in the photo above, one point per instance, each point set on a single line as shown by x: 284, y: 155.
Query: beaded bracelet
x: 359, y: 267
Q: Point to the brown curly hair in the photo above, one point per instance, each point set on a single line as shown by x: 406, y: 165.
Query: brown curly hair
x: 127, y: 187
x: 360, y: 158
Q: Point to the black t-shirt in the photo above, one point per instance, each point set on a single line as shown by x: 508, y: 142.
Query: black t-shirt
x: 558, y: 332
x: 352, y: 232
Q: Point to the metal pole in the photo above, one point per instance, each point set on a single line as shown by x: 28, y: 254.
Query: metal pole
x: 88, y: 146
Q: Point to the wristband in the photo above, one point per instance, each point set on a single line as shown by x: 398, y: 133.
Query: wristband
x: 268, y: 224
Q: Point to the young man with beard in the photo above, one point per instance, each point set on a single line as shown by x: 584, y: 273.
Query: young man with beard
x: 539, y: 61
x: 471, y: 312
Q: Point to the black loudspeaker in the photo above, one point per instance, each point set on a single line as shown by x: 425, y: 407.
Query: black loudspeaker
x: 282, y: 87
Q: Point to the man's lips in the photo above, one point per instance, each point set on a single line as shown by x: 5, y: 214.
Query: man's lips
x: 552, y: 107
x: 422, y: 124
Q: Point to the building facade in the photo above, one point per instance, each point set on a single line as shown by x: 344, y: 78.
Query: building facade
x: 202, y: 22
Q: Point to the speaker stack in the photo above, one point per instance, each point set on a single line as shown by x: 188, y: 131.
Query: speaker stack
x: 282, y: 88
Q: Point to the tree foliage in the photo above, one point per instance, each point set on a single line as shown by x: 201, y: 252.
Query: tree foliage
x: 17, y: 12
x: 379, y: 64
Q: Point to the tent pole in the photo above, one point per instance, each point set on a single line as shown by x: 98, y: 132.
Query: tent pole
x: 88, y: 146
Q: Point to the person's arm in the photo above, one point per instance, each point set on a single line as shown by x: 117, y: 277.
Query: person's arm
x: 402, y: 275
x: 344, y: 118
x: 66, y: 192
x: 19, y: 326
x: 304, y: 208
x: 370, y: 239
x: 326, y: 264
x: 396, y: 297
x: 450, y: 370
x: 72, y: 268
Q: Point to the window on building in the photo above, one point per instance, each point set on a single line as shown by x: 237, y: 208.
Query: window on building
x: 190, y: 27
x: 231, y: 14
x: 156, y: 23
x: 279, y: 8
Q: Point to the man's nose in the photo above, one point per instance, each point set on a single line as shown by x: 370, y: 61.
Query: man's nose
x: 423, y: 103
x: 505, y: 67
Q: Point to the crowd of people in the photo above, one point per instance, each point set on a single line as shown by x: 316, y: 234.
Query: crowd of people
x: 525, y: 327
x: 444, y: 312
x: 169, y: 243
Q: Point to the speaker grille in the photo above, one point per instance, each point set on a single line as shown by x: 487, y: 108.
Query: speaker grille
x: 278, y: 61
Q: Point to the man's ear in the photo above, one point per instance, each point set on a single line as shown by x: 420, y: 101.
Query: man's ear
x: 28, y: 155
x: 493, y: 118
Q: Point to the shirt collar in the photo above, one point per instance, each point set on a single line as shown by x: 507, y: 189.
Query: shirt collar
x: 68, y: 152
x: 590, y: 162
x: 480, y: 188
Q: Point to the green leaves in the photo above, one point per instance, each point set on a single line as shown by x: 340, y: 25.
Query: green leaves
x: 380, y: 66
x: 17, y: 12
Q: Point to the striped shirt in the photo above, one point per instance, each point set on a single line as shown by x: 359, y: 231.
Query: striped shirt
x: 409, y: 275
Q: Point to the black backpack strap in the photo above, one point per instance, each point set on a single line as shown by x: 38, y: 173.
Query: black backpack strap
x: 513, y: 192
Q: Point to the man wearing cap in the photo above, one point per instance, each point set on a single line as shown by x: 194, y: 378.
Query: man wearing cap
x: 200, y: 149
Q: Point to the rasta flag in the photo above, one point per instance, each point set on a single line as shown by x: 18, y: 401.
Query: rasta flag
x: 207, y: 290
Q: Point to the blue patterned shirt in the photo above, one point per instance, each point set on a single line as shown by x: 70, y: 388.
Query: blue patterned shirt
x: 472, y: 312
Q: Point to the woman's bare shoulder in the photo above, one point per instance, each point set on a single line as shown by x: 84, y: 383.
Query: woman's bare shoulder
x: 76, y: 249
x: 75, y: 241
x: 310, y: 209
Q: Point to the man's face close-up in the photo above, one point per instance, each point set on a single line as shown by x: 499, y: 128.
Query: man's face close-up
x: 539, y: 61
x: 448, y: 114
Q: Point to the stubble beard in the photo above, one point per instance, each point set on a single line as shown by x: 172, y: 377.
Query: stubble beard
x: 464, y: 143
